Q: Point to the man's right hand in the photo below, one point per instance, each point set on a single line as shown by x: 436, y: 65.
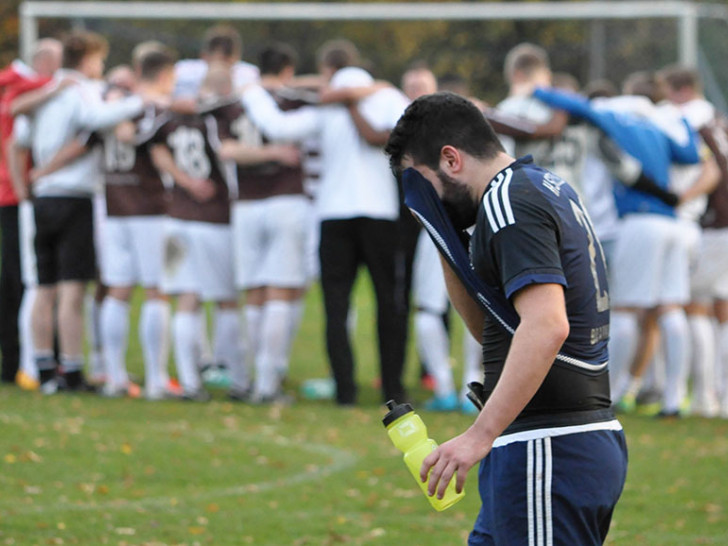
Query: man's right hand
x: 202, y: 190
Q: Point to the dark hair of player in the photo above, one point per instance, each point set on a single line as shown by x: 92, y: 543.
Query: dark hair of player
x: 277, y: 56
x: 223, y: 40
x: 338, y: 54
x: 154, y: 63
x: 78, y: 45
x: 679, y: 77
x: 438, y: 120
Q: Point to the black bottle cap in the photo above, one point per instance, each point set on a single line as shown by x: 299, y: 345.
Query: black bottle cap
x: 395, y: 412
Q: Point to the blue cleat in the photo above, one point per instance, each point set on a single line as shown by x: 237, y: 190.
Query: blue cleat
x: 442, y: 403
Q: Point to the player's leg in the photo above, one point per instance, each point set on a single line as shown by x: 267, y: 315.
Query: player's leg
x: 703, y: 358
x: 115, y: 338
x: 70, y: 331
x: 154, y: 317
x: 382, y: 256
x: 282, y: 270
x: 180, y: 279
x: 433, y: 345
x: 213, y: 263
x: 339, y: 257
x: 11, y: 292
x: 28, y: 376
x: 721, y: 314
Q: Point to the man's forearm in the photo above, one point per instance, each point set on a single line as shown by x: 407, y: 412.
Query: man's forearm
x: 17, y: 159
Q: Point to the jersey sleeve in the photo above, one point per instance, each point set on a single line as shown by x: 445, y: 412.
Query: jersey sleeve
x: 525, y: 243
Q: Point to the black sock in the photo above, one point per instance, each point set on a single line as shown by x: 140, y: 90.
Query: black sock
x: 46, y: 368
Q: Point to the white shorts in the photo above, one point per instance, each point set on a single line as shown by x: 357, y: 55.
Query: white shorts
x: 428, y: 280
x: 710, y: 279
x: 133, y: 251
x: 26, y: 231
x: 651, y: 263
x: 99, y: 202
x: 272, y: 238
x: 198, y: 260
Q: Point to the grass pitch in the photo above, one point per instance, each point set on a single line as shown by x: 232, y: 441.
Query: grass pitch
x: 86, y: 470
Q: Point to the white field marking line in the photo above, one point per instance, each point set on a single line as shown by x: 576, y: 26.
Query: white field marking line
x: 341, y: 460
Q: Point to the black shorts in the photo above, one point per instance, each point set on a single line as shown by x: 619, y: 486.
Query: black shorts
x: 64, y: 239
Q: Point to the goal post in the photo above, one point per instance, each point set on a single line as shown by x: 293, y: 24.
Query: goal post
x: 687, y: 16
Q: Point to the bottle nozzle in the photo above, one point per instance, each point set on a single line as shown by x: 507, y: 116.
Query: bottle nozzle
x: 391, y: 404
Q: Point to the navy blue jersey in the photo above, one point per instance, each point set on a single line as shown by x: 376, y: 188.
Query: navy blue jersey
x: 531, y: 228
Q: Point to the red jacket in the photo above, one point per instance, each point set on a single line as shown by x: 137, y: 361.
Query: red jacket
x: 15, y: 79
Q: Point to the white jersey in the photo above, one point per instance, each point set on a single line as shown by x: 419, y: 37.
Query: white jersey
x: 190, y: 73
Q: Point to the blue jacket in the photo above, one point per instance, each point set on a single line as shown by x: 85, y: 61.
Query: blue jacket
x: 638, y: 137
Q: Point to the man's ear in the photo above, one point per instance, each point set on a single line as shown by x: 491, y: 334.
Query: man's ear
x: 451, y: 160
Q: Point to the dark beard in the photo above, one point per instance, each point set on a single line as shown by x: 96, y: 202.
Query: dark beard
x: 458, y: 202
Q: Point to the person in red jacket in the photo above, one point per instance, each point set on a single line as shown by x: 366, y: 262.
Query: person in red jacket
x: 16, y: 79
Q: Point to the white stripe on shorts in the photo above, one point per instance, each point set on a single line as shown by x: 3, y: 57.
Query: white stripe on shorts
x: 539, y: 468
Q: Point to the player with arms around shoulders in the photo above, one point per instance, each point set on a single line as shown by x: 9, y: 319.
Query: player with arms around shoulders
x: 546, y: 423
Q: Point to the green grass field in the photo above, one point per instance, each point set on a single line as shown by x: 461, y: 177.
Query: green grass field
x: 86, y: 470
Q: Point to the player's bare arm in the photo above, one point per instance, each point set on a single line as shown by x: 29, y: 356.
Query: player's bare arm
x: 349, y: 95
x: 28, y: 102
x: 17, y: 159
x: 542, y: 331
x: 201, y: 190
x: 707, y: 181
x: 65, y: 155
x: 367, y: 132
x: 244, y: 154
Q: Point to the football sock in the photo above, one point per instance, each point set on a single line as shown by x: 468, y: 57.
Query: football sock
x: 433, y: 347
x: 472, y: 361
x: 115, y: 338
x: 186, y: 333
x: 703, y: 344
x: 676, y: 338
x: 722, y: 364
x: 25, y: 329
x: 253, y: 316
x: 622, y: 348
x: 204, y: 350
x: 274, y: 330
x: 72, y: 368
x: 229, y: 347
x: 154, y: 339
x: 94, y: 335
x: 45, y: 363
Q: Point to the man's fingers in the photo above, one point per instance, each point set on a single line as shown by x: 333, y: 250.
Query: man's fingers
x: 460, y: 483
x: 427, y: 463
x: 445, y: 478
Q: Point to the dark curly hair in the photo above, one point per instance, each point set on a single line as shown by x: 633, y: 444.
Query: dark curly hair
x: 438, y: 120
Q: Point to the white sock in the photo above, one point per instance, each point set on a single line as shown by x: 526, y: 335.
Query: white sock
x: 186, y: 334
x: 297, y: 309
x: 676, y: 340
x: 722, y: 367
x: 703, y: 343
x: 94, y: 335
x: 204, y: 353
x: 253, y: 316
x: 433, y: 347
x: 229, y: 346
x: 154, y: 338
x: 25, y: 328
x: 472, y: 361
x: 622, y: 348
x: 274, y: 329
x: 114, y: 322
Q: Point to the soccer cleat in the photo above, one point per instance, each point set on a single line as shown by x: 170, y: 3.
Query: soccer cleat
x: 626, y: 404
x: 26, y: 381
x: 215, y: 375
x: 200, y: 395
x: 442, y: 403
x: 174, y: 388
x: 238, y: 395
x: 427, y: 382
x: 49, y: 387
x: 468, y: 407
x: 277, y: 398
x: 665, y: 414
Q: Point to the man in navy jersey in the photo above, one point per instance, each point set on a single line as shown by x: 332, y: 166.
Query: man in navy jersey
x: 553, y: 457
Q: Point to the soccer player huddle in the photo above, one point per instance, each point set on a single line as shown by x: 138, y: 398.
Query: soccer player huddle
x: 216, y: 181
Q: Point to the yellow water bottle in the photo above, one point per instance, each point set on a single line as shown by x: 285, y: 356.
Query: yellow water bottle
x: 409, y: 434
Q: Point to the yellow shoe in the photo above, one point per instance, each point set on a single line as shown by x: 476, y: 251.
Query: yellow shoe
x: 26, y: 382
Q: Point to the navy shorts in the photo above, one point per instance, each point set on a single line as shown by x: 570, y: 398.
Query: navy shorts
x: 551, y: 486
